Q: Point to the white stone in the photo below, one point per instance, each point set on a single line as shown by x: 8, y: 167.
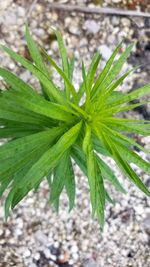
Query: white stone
x: 111, y: 39
x: 27, y: 253
x: 25, y: 76
x: 105, y: 51
x: 54, y: 46
x: 18, y: 231
x: 56, y: 244
x: 47, y: 253
x: 21, y: 11
x: 115, y: 20
x: 126, y: 22
x: 68, y: 21
x: 7, y: 232
x: 53, y: 257
x: 139, y: 209
x: 75, y: 256
x: 74, y: 249
x: 74, y: 30
x: 41, y: 237
x: 11, y: 66
x: 19, y: 221
x: 71, y: 262
x: 36, y: 256
x: 92, y: 26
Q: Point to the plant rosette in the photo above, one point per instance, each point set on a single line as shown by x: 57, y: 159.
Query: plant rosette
x: 46, y: 132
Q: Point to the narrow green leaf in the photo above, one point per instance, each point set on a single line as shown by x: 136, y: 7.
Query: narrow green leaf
x: 101, y: 195
x: 89, y: 165
x: 131, y: 96
x: 65, y: 63
x: 39, y: 105
x: 26, y: 143
x: 92, y: 70
x: 131, y: 156
x: 11, y: 111
x: 35, y: 53
x: 11, y: 165
x: 91, y: 173
x: 110, y: 176
x: 99, y: 147
x: 104, y: 73
x: 86, y: 87
x: 87, y: 138
x: 59, y: 177
x: 79, y: 158
x: 108, y: 198
x: 90, y: 74
x: 114, y: 96
x: 17, y: 84
x: 63, y: 177
x: 117, y: 109
x: 118, y: 66
x: 125, y: 167
x: 140, y: 128
x: 48, y: 160
x: 15, y: 195
x: 4, y: 185
x: 122, y: 138
x: 7, y: 132
x: 114, y: 70
x: 50, y: 88
x: 71, y: 68
x: 103, y: 97
x: 8, y: 204
x: 50, y: 178
x: 63, y: 52
x: 70, y: 87
x: 70, y: 185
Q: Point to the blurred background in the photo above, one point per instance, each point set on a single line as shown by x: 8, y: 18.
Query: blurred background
x: 35, y: 236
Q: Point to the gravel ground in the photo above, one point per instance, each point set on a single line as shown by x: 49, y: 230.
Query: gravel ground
x: 35, y: 235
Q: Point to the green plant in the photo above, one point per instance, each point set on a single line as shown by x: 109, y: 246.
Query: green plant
x: 45, y: 132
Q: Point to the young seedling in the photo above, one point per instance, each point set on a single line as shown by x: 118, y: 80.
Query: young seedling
x: 47, y: 132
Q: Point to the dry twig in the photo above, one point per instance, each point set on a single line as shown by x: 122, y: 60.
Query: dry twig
x: 96, y: 10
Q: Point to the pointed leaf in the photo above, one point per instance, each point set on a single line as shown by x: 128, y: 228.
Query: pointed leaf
x: 50, y: 88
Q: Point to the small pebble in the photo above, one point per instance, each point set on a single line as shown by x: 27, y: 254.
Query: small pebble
x: 53, y: 257
x: 75, y: 256
x: 105, y: 51
x: 74, y: 249
x: 21, y: 11
x: 36, y: 256
x: 25, y: 76
x: 47, y: 253
x: 74, y: 30
x: 27, y: 253
x: 126, y: 22
x: 41, y: 237
x: 92, y: 26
